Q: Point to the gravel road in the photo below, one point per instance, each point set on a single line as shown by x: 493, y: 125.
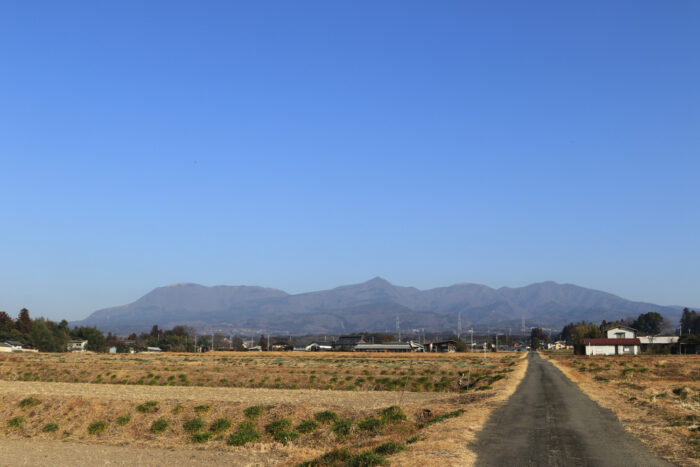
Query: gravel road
x: 549, y: 422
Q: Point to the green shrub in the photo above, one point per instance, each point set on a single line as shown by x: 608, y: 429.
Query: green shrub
x: 443, y: 417
x: 97, y: 427
x: 193, y: 425
x: 49, y: 428
x: 123, y: 419
x: 178, y: 408
x: 160, y: 425
x: 371, y: 424
x: 389, y: 448
x: 220, y: 425
x: 245, y: 433
x: 393, y: 414
x: 342, y: 428
x: 413, y: 439
x: 327, y: 417
x: 202, y: 408
x: 254, y: 411
x: 29, y: 402
x: 307, y: 426
x: 366, y: 459
x: 199, y: 438
x: 281, y: 424
x: 148, y: 407
x: 285, y: 436
x: 15, y: 422
x: 332, y: 458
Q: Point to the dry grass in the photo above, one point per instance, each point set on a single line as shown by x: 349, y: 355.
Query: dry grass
x: 274, y: 370
x: 657, y: 398
x: 75, y: 406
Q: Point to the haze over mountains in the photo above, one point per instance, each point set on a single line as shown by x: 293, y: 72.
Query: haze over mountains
x: 368, y: 306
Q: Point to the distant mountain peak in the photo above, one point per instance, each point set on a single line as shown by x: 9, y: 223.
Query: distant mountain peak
x: 368, y: 306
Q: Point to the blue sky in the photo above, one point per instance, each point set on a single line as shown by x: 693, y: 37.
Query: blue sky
x: 305, y: 145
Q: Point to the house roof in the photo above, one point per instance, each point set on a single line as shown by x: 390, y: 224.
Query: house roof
x: 15, y: 343
x: 4, y: 344
x: 606, y: 341
x: 619, y: 326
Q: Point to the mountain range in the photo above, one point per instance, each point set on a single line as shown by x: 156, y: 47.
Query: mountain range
x: 368, y: 306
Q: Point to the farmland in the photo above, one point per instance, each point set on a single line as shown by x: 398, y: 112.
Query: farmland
x: 279, y: 408
x: 657, y: 398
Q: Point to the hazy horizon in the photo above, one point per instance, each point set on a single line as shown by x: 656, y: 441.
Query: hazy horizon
x: 306, y: 145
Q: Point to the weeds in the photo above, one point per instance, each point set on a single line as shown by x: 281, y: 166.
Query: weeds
x: 327, y: 417
x: 244, y: 434
x: 193, y: 425
x: 159, y: 425
x: 148, y: 407
x: 15, y: 422
x: 49, y: 428
x: 29, y: 402
x: 123, y: 419
x: 254, y: 411
x: 97, y: 427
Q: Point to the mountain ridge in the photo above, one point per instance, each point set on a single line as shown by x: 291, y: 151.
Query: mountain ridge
x: 367, y: 306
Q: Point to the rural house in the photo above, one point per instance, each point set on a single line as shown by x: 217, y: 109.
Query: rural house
x: 620, y: 340
x: 348, y: 343
x: 77, y: 345
x: 447, y: 346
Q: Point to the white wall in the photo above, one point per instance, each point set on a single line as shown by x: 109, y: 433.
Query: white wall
x: 628, y: 334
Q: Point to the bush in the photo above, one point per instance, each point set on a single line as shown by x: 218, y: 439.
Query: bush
x: 29, y: 402
x: 199, y: 438
x: 246, y: 433
x: 202, y: 408
x: 366, y: 459
x: 193, y: 425
x: 286, y: 436
x: 371, y: 424
x: 160, y: 425
x: 393, y: 414
x: 97, y: 427
x: 413, y: 439
x: 307, y: 426
x: 15, y: 422
x: 342, y: 428
x: 49, y: 428
x: 327, y: 417
x: 123, y: 419
x: 220, y: 425
x: 276, y: 426
x: 332, y: 458
x: 389, y: 448
x: 148, y: 407
x: 254, y: 411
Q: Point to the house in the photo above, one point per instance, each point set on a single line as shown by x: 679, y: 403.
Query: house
x: 5, y: 347
x: 79, y: 345
x: 348, y: 343
x: 621, y: 332
x: 612, y: 346
x: 390, y: 347
x: 448, y: 346
x: 16, y: 346
x: 558, y: 345
x: 281, y: 347
x: 153, y: 349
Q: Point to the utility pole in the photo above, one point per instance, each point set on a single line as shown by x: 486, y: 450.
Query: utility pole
x: 398, y: 327
x: 471, y: 336
x: 268, y: 342
x: 459, y: 325
x: 212, y: 341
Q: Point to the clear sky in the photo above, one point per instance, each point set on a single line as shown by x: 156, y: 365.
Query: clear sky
x: 304, y: 145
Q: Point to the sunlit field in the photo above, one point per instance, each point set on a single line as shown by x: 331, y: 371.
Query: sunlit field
x: 292, y: 407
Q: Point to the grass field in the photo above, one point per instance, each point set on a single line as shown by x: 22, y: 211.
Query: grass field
x: 657, y: 398
x: 360, y: 408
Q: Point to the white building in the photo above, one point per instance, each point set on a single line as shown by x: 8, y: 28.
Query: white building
x: 77, y: 346
x: 620, y: 340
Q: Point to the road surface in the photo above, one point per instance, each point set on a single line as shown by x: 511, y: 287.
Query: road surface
x: 548, y: 421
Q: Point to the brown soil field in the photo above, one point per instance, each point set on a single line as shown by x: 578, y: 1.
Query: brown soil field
x: 657, y: 398
x: 27, y: 408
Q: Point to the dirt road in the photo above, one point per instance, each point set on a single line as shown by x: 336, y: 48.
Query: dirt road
x: 550, y: 422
